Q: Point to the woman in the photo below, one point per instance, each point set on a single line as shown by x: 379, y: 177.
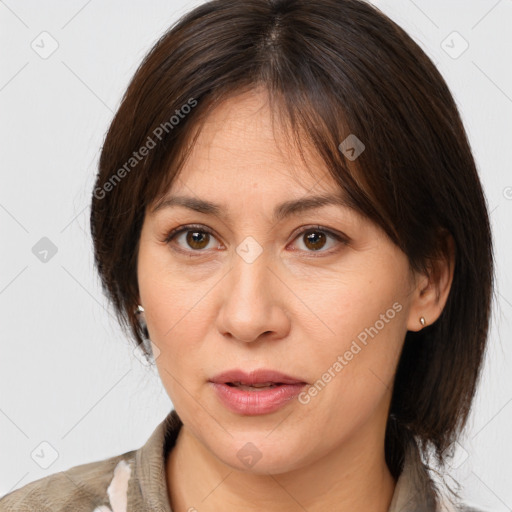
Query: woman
x: 288, y: 220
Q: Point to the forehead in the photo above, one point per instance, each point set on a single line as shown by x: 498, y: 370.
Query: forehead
x: 243, y: 144
x: 243, y: 163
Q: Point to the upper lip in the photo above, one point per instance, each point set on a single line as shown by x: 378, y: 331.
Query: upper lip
x: 260, y: 376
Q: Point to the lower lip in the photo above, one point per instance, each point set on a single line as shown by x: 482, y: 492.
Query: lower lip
x: 262, y: 401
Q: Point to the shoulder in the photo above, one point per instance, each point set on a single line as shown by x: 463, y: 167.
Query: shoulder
x: 86, y: 487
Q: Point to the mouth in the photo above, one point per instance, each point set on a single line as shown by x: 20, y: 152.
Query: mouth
x: 256, y: 393
x: 255, y: 379
x: 254, y: 387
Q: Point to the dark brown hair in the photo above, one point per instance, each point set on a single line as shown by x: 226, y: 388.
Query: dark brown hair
x: 331, y: 68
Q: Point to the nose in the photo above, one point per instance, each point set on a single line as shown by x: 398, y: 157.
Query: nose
x: 253, y: 303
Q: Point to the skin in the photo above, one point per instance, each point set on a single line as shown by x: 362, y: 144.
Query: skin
x: 287, y: 310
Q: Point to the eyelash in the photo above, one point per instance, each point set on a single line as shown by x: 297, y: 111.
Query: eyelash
x: 202, y: 229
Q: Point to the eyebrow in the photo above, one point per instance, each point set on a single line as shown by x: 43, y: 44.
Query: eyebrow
x: 281, y: 211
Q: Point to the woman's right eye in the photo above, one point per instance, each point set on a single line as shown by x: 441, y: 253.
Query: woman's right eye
x: 197, y: 237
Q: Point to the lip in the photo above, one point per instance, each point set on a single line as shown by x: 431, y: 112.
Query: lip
x: 258, y: 376
x: 258, y: 401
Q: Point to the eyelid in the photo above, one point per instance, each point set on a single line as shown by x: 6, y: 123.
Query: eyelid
x: 187, y: 227
x: 338, y: 236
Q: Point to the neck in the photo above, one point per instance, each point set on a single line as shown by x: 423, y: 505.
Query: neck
x: 354, y: 477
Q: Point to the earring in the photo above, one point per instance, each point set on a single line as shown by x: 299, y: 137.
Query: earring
x: 422, y: 321
x: 142, y: 321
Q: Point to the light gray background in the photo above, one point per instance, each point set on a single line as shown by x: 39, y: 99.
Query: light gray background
x: 68, y: 377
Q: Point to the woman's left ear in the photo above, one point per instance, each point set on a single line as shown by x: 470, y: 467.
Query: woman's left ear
x: 432, y: 290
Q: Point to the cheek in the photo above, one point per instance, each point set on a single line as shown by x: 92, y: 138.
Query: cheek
x: 178, y: 323
x: 336, y: 308
x: 356, y: 356
x: 354, y: 384
x: 172, y: 296
x: 172, y: 306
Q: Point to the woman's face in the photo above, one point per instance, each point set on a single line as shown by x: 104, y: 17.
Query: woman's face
x: 244, y: 290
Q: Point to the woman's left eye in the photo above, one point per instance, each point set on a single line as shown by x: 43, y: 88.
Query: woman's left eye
x: 314, y: 238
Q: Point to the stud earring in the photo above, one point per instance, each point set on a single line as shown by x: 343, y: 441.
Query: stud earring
x: 422, y: 321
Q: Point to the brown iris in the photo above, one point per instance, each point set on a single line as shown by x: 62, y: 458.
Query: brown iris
x: 315, y: 238
x: 196, y: 238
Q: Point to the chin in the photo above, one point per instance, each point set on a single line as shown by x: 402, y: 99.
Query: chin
x: 259, y: 453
